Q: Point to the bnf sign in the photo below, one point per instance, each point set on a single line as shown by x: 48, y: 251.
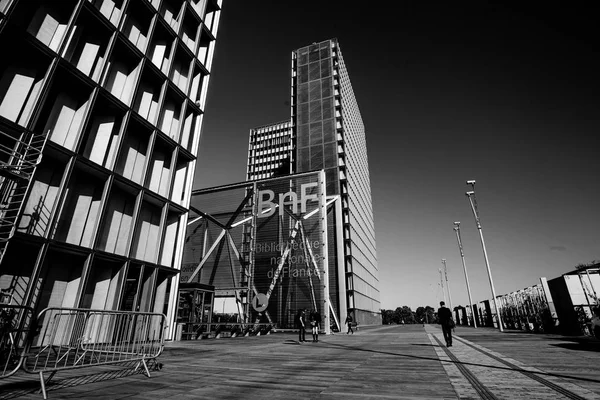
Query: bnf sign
x: 267, y: 205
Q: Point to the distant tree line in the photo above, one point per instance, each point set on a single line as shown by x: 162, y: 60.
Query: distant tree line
x: 404, y: 315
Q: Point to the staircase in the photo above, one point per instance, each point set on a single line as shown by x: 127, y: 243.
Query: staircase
x: 19, y: 156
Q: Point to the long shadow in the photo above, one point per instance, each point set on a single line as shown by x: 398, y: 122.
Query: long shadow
x: 461, y: 362
x: 21, y: 388
x: 579, y: 346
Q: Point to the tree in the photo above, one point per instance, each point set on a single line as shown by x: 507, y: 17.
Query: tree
x: 387, y: 317
x: 405, y: 315
x: 425, y: 315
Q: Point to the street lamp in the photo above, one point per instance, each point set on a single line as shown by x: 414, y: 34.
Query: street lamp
x: 442, y: 285
x: 447, y: 284
x: 462, y: 256
x: 473, y: 201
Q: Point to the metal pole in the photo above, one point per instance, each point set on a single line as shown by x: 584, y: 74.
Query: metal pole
x: 473, y: 202
x: 442, y: 283
x: 447, y: 284
x: 462, y: 256
x: 587, y: 271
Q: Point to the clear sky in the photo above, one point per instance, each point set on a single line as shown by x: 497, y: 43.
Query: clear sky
x: 505, y: 95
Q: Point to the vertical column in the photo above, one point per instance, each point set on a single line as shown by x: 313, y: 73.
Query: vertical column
x: 323, y: 206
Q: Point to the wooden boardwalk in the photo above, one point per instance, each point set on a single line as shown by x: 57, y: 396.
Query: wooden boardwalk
x: 385, y: 362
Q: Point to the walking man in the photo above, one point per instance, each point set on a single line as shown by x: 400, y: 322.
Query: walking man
x: 349, y: 322
x: 445, y: 319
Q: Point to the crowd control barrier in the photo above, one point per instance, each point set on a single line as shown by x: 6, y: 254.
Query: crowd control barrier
x: 194, y: 331
x: 68, y: 338
x: 15, y: 324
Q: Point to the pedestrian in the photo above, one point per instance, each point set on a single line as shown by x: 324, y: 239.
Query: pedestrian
x: 315, y: 323
x: 349, y: 322
x: 446, y: 321
x: 301, y: 322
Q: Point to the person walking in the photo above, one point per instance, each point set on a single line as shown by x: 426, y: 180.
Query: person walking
x: 315, y: 323
x: 301, y: 322
x: 446, y: 321
x: 349, y: 322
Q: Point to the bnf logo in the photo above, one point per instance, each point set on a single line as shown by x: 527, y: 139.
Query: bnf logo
x: 266, y: 206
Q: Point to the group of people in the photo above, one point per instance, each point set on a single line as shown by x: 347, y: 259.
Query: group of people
x: 314, y: 320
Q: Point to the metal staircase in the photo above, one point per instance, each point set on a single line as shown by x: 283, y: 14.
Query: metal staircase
x: 19, y: 156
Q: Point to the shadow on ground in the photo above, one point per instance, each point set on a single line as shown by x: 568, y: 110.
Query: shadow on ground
x: 12, y: 390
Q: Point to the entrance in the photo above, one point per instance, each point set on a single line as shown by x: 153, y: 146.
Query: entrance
x: 194, y: 309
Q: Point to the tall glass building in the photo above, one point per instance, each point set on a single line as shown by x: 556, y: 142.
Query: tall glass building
x: 101, y: 106
x: 329, y: 134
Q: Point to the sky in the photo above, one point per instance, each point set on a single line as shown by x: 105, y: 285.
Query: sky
x: 506, y: 94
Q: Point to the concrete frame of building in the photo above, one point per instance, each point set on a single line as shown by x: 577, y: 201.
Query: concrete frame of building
x: 270, y: 151
x: 104, y: 105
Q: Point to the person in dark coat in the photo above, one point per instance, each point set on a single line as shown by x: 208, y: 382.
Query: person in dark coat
x: 349, y: 323
x: 301, y: 322
x: 445, y: 319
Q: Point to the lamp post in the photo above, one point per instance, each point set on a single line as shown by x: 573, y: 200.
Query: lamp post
x: 473, y: 201
x: 462, y: 256
x: 442, y: 284
x: 447, y: 284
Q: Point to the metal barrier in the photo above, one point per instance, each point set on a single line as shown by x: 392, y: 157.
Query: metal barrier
x: 194, y: 331
x: 14, y: 330
x: 68, y: 338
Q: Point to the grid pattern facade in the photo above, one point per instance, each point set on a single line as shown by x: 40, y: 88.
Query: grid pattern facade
x: 262, y: 253
x: 116, y: 91
x: 270, y: 151
x: 330, y: 135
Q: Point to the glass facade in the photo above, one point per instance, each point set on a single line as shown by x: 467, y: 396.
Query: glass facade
x: 314, y: 113
x: 327, y: 133
x: 330, y: 135
x: 263, y: 243
x: 100, y: 119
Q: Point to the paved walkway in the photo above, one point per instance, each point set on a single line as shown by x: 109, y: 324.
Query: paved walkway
x: 385, y: 362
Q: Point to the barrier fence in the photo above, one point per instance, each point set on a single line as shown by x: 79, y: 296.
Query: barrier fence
x: 71, y: 338
x: 15, y: 323
x: 193, y: 331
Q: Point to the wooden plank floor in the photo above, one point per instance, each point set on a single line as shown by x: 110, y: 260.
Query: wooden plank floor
x: 573, y: 359
x: 386, y: 362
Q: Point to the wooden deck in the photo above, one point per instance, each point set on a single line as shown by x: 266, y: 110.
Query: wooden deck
x: 386, y: 362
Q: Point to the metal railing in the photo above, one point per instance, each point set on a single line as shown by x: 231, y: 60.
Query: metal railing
x: 14, y: 330
x: 193, y: 331
x: 19, y: 156
x: 70, y: 338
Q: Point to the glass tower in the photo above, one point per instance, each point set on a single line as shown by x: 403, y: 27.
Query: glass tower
x: 329, y: 134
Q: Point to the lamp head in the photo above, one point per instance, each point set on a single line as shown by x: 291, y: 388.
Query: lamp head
x: 457, y: 223
x: 471, y: 182
x: 470, y: 193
